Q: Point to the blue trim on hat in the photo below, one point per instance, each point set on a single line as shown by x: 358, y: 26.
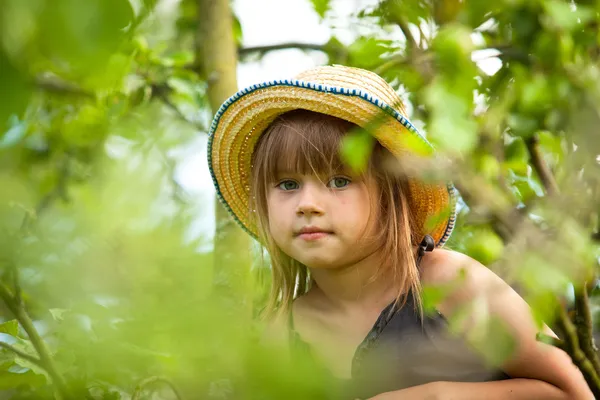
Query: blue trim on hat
x: 452, y: 192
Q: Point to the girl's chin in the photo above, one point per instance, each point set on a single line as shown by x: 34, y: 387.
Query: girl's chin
x: 321, y: 263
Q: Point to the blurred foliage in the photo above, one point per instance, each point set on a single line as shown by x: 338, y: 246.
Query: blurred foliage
x: 106, y: 282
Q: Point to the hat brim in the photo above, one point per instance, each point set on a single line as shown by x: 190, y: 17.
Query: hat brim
x: 241, y: 120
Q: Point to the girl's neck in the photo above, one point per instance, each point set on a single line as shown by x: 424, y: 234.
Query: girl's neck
x: 354, y: 287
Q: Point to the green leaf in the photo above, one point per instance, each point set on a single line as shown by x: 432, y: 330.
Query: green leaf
x: 184, y: 88
x: 238, y: 31
x: 433, y: 296
x: 535, y: 94
x: 83, y: 33
x: 522, y: 125
x: 356, y: 149
x: 453, y: 47
x: 451, y: 123
x: 14, y: 134
x: 504, y: 342
x: 27, y: 347
x: 516, y: 157
x: 178, y: 59
x: 321, y: 7
x: 14, y: 82
x: 336, y: 50
x: 516, y: 150
x: 488, y: 166
x: 565, y: 16
x: 543, y: 307
x: 484, y: 246
x: 10, y: 327
x: 9, y: 380
x: 526, y: 186
x: 366, y: 52
x: 57, y: 313
x: 553, y: 147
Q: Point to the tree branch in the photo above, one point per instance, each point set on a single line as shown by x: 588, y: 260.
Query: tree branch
x: 282, y: 46
x: 58, y: 86
x: 579, y: 358
x: 161, y: 91
x: 540, y: 166
x: 551, y: 341
x: 422, y: 37
x: 422, y: 61
x: 141, y: 17
x: 584, y: 325
x: 504, y: 224
x: 149, y: 381
x: 14, y: 302
x: 45, y: 360
x: 60, y: 190
x: 411, y: 42
x: 21, y: 354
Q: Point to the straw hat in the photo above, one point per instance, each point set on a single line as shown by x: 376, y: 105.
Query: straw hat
x: 352, y: 94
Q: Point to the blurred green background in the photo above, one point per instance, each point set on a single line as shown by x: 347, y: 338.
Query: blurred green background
x: 112, y: 287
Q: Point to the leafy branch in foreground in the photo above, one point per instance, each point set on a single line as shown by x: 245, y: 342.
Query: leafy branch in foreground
x: 45, y: 360
x: 13, y: 299
x: 143, y: 385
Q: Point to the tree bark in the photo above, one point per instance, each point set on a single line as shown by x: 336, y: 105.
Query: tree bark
x: 216, y: 58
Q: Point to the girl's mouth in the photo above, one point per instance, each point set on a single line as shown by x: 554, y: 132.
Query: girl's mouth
x: 312, y: 236
x: 311, y: 233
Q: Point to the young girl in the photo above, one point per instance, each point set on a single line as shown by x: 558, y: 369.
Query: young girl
x: 351, y: 250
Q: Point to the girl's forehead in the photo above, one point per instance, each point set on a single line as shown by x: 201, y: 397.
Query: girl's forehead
x: 320, y: 174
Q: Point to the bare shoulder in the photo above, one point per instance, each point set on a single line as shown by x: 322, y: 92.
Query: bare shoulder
x: 443, y: 266
x: 484, y: 294
x: 275, y: 331
x: 472, y: 279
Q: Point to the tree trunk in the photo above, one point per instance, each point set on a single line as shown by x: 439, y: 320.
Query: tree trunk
x: 216, y: 57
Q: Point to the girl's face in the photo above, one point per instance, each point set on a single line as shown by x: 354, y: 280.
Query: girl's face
x: 323, y: 221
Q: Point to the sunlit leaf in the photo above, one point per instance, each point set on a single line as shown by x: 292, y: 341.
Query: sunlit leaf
x: 15, y: 82
x: 57, y: 313
x: 485, y: 246
x: 10, y: 327
x: 366, y: 52
x: 356, y: 149
x: 14, y: 134
x: 451, y: 126
x: 321, y: 7
x: 9, y: 380
x: 567, y: 16
x: 27, y: 347
x: 504, y: 342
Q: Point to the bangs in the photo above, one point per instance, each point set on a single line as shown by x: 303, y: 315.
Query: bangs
x: 302, y: 142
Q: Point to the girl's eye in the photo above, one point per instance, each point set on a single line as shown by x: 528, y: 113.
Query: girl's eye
x: 339, y: 182
x: 288, y: 185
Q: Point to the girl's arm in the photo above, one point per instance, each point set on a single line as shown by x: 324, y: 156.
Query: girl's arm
x: 511, y: 389
x: 546, y: 372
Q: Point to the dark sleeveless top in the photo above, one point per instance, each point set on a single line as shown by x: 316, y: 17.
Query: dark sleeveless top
x: 402, y: 350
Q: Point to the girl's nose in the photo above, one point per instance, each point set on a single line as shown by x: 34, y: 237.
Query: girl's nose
x: 310, y: 202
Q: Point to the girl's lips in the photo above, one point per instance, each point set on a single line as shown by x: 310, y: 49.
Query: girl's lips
x: 311, y: 236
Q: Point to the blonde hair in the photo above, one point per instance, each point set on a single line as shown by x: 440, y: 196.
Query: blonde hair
x: 309, y: 142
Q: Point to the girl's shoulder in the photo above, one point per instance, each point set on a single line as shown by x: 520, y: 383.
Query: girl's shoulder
x: 275, y: 330
x: 443, y: 266
x: 470, y: 278
x: 478, y: 288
